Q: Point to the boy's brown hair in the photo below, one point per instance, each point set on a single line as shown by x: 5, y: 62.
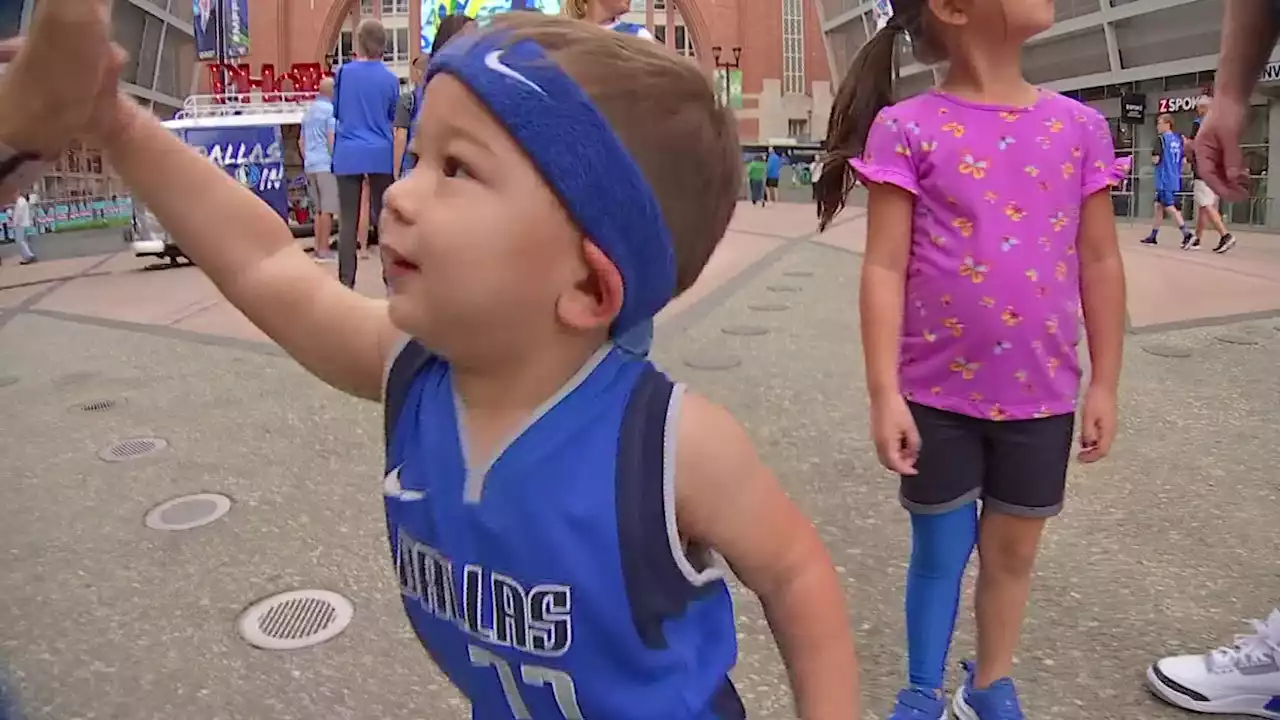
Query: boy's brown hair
x: 664, y: 110
x: 371, y: 39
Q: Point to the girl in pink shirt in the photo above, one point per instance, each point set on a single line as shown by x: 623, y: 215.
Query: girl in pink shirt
x: 990, y: 235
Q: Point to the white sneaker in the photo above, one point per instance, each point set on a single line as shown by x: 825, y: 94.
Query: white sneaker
x: 1243, y: 679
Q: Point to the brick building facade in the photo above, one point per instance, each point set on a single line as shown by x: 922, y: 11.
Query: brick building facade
x: 786, y: 90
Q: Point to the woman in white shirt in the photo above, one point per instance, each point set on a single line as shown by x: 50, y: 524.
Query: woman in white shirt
x: 607, y: 14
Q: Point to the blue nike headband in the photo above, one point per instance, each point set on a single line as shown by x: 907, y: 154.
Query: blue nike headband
x: 579, y: 156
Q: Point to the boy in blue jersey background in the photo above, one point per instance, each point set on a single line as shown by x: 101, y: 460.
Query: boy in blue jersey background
x: 557, y: 509
x: 1167, y: 154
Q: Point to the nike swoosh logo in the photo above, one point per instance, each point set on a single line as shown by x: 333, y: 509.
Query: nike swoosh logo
x: 391, y: 488
x: 493, y: 61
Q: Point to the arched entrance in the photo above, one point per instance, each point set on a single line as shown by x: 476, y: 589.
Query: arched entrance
x: 693, y: 12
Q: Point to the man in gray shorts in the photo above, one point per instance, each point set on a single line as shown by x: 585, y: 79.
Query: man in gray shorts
x: 317, y: 157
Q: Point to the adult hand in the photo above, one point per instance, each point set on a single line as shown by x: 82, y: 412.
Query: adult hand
x: 1217, y: 148
x: 49, y: 90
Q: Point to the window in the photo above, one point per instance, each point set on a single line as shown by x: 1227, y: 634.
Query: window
x: 395, y: 7
x: 793, y: 46
x: 798, y: 129
x: 366, y: 8
x: 397, y: 46
x: 342, y: 50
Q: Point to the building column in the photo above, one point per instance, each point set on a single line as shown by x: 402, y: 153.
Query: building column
x: 671, y: 24
x: 650, y: 15
x: 415, y: 29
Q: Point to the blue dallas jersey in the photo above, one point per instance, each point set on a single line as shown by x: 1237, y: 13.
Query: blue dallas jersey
x: 1168, y: 175
x: 627, y: 28
x: 551, y: 584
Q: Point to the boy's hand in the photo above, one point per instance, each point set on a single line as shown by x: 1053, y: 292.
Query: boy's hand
x: 896, y: 436
x: 1098, y: 425
x: 48, y: 91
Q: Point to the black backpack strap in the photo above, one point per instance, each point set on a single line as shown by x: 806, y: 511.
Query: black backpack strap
x: 401, y: 371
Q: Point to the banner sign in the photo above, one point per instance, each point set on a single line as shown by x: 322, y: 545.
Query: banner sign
x: 252, y: 155
x: 227, y: 79
x: 433, y: 11
x: 222, y: 23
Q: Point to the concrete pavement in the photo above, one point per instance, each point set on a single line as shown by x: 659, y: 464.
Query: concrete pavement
x: 1163, y: 547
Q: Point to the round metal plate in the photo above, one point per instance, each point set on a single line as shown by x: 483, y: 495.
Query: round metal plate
x: 1237, y: 339
x: 188, y: 512
x: 783, y: 288
x: 1167, y: 351
x: 710, y: 361
x: 296, y: 619
x: 745, y: 330
x: 769, y: 307
x: 7, y: 380
x: 132, y: 449
x: 798, y: 273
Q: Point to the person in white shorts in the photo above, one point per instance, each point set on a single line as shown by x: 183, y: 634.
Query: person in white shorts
x: 1206, y: 199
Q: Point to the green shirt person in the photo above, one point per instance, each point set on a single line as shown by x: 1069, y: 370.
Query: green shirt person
x: 756, y: 170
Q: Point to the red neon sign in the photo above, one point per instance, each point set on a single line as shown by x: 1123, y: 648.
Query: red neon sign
x: 226, y: 79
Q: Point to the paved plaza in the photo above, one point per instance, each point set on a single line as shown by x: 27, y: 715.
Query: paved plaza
x: 1163, y: 548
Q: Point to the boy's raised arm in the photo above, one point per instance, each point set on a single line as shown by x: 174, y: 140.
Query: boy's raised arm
x: 250, y: 254
x: 727, y: 500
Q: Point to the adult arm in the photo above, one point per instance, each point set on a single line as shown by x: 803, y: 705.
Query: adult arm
x: 1157, y: 149
x: 404, y: 116
x: 1249, y: 31
x: 250, y: 255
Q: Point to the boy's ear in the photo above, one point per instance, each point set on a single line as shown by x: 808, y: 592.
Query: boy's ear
x: 596, y: 298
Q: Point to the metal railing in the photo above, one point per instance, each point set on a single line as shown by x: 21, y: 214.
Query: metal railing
x: 197, y: 107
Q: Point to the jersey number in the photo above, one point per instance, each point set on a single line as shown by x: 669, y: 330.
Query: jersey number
x: 532, y: 676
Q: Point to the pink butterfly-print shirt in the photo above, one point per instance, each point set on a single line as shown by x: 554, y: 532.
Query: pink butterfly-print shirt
x: 993, y: 313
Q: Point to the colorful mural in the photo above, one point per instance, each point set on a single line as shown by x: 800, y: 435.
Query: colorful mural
x: 482, y: 10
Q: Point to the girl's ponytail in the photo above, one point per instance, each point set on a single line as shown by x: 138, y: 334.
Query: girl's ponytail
x: 866, y: 89
x: 576, y: 9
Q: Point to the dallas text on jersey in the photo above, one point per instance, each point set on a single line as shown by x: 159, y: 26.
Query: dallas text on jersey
x: 536, y: 620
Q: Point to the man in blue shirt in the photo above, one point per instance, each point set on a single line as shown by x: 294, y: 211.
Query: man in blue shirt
x: 1167, y: 155
x: 365, y: 97
x: 773, y: 171
x: 318, y: 128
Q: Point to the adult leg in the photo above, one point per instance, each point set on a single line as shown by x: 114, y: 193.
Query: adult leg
x: 349, y: 222
x: 24, y: 248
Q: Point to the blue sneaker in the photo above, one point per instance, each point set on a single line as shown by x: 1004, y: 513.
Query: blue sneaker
x: 998, y: 702
x: 917, y: 704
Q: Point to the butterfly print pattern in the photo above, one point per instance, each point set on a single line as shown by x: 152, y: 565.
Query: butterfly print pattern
x: 993, y: 289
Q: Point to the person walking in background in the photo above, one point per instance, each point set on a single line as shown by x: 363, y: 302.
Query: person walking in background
x: 411, y: 102
x: 773, y: 173
x: 366, y: 93
x: 1206, y: 199
x: 815, y: 174
x: 755, y: 179
x: 21, y: 226
x: 1167, y: 154
x: 318, y: 127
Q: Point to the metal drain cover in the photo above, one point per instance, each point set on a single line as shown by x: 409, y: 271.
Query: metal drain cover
x: 7, y: 380
x: 1237, y: 339
x: 798, y: 273
x: 745, y: 330
x: 769, y: 307
x: 712, y: 362
x: 132, y: 449
x: 784, y: 288
x: 188, y: 511
x: 1167, y: 351
x: 97, y: 406
x: 296, y: 619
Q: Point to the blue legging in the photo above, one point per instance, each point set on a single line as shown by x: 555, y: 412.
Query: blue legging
x: 940, y: 549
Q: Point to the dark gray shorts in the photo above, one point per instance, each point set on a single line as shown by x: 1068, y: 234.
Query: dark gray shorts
x: 322, y: 187
x: 1016, y: 467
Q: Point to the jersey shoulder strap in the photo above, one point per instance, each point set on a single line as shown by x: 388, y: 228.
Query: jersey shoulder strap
x: 660, y: 579
x: 405, y: 366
